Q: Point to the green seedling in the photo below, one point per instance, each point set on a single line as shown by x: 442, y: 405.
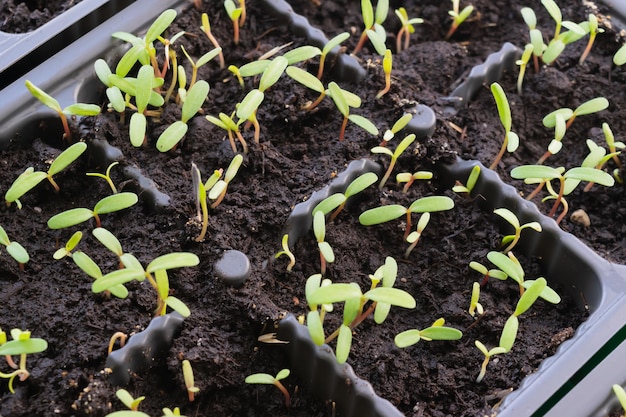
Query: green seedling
x: 397, y: 126
x: 174, y: 133
x: 71, y: 244
x: 568, y: 181
x: 77, y: 109
x: 106, y: 176
x: 287, y: 252
x: 234, y: 13
x: 89, y: 267
x: 268, y: 379
x: 192, y: 390
x: 535, y: 35
x: 344, y: 100
x: 406, y: 30
x: 308, y: 80
x: 227, y: 123
x: 620, y: 394
x: 471, y: 182
x: 200, y: 192
x: 336, y: 202
x: 619, y: 58
x: 30, y: 178
x: 387, y: 66
x: 109, y: 241
x: 167, y: 412
x: 354, y: 312
x: 475, y: 306
x: 511, y: 140
x: 372, y: 22
x: 203, y: 60
x: 142, y: 90
x: 560, y: 40
x: 591, y: 27
x: 22, y: 345
x: 597, y: 158
x: 487, y: 273
x: 512, y: 219
x: 300, y: 54
x: 562, y: 119
x: 523, y: 62
x: 435, y: 332
x: 327, y: 255
x: 330, y: 45
x: 110, y: 204
x: 218, y: 191
x: 613, y: 146
x: 488, y: 355
x: 409, y: 179
x: 128, y: 400
x: 414, y: 237
x: 402, y: 146
x: 15, y: 249
x: 390, y: 212
x: 133, y: 271
x: 206, y: 28
x: 249, y: 70
x: 458, y: 17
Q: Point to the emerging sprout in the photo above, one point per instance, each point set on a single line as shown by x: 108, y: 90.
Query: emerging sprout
x: 482, y: 269
x: 522, y: 62
x: 415, y: 235
x: 471, y: 182
x: 387, y: 64
x: 234, y: 13
x: 560, y: 40
x: 287, y: 252
x: 69, y: 246
x: 206, y: 28
x: 218, y: 191
x: 568, y: 181
x: 22, y: 345
x: 30, y: 178
x: 512, y: 219
x: 597, y: 158
x: 200, y: 192
x: 189, y: 382
x: 78, y: 109
x: 458, y: 17
x: 590, y: 26
x: 488, y: 355
x: 409, y: 178
x: 402, y: 146
x: 372, y: 22
x: 338, y: 201
x: 106, y: 176
x: 14, y: 249
x: 386, y: 213
x: 536, y: 38
x: 268, y: 379
x: 327, y: 255
x: 227, y: 123
x: 435, y: 332
x: 621, y: 395
x: 128, y: 400
x: 511, y: 140
x: 308, y: 80
x: 406, y: 30
x: 475, y: 306
x: 330, y: 45
x: 110, y: 204
x: 397, y: 126
x: 344, y: 100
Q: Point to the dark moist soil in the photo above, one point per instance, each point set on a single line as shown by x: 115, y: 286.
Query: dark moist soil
x: 25, y: 16
x: 298, y: 154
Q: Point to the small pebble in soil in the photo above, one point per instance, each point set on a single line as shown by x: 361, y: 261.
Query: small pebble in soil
x: 581, y: 218
x: 233, y: 268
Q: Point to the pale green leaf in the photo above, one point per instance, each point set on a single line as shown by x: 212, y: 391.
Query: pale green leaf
x: 381, y: 214
x: 66, y: 157
x: 115, y: 202
x: 69, y: 218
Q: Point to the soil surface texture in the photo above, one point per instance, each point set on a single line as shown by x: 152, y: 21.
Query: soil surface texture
x: 25, y: 16
x: 299, y: 152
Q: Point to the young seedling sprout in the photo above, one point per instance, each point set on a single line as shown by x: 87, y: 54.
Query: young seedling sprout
x: 386, y: 213
x: 535, y: 35
x: 387, y: 65
x: 268, y: 379
x: 327, y: 255
x: 488, y: 355
x: 77, y: 109
x: 15, y: 249
x: 218, y: 191
x: 227, y: 123
x: 71, y: 244
x: 435, y: 332
x: 620, y: 394
x: 475, y: 306
x: 344, y: 100
x: 330, y: 45
x: 399, y: 124
x: 619, y: 58
x: 235, y: 14
x: 308, y: 80
x: 128, y: 400
x: 406, y: 30
x: 414, y: 237
x: 590, y: 26
x: 561, y: 120
x: 402, y: 146
x: 523, y: 62
x: 409, y: 178
x: 22, y: 345
x: 458, y: 17
x: 106, y: 176
x: 206, y: 28
x: 372, y: 22
x: 511, y: 140
x: 30, y: 178
x: 110, y: 204
x: 89, y: 267
x: 559, y: 40
x: 568, y: 181
x: 336, y: 202
x: 287, y: 252
x: 512, y: 219
x: 354, y: 312
x: 597, y: 158
x: 471, y: 182
x: 487, y: 273
x: 192, y: 390
x: 203, y: 60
